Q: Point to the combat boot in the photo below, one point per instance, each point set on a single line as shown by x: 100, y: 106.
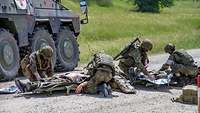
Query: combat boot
x: 21, y: 86
x: 104, y: 89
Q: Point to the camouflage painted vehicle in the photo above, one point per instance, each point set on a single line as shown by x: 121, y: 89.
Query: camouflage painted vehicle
x: 27, y: 25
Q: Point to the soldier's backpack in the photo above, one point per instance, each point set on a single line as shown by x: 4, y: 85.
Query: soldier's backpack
x: 100, y: 60
x: 183, y: 57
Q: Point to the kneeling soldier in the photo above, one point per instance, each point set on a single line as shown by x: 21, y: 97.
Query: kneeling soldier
x: 180, y: 62
x: 38, y: 65
x: 101, y: 71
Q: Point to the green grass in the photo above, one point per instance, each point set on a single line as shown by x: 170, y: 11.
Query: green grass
x: 110, y: 29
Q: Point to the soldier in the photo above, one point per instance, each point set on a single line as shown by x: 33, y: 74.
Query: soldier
x: 38, y: 65
x: 136, y: 56
x: 180, y: 62
x: 107, y: 76
x: 101, y: 71
x: 101, y: 78
x: 68, y: 81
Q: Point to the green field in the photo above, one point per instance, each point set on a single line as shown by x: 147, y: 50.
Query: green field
x: 111, y: 28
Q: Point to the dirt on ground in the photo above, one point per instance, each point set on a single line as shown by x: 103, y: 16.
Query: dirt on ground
x: 146, y: 100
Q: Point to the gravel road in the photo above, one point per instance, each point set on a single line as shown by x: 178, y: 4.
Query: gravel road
x: 147, y: 100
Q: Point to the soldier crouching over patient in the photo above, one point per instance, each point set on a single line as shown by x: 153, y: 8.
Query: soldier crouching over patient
x: 38, y: 65
x: 182, y: 65
x: 136, y: 56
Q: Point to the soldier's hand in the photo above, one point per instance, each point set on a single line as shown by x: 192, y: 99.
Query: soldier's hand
x: 151, y: 77
x: 79, y: 89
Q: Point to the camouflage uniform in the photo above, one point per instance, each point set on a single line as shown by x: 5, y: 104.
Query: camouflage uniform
x: 119, y: 82
x: 136, y: 57
x: 180, y: 62
x: 102, y: 75
x: 105, y: 74
x: 62, y: 82
x: 101, y: 70
x: 39, y: 62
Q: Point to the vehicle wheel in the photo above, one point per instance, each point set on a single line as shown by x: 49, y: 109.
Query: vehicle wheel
x: 42, y: 38
x: 67, y: 50
x: 9, y: 55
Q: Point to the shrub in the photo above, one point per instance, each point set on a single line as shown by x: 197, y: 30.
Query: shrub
x: 152, y: 5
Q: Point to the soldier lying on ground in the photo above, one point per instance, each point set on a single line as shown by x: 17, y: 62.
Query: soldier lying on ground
x: 38, y: 65
x: 57, y: 82
x: 181, y: 64
x: 70, y: 81
x: 136, y: 56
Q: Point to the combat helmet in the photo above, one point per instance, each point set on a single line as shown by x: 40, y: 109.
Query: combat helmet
x: 169, y: 48
x: 44, y: 56
x: 147, y: 45
x: 46, y: 52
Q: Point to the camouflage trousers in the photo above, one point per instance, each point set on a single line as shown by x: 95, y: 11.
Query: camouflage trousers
x: 101, y: 76
x: 185, y: 70
x: 122, y: 84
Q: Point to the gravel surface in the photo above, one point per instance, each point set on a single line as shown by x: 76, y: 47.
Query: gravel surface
x: 147, y: 100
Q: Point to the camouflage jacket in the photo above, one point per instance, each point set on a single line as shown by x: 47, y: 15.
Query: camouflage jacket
x: 134, y: 58
x: 30, y: 64
x: 180, y: 57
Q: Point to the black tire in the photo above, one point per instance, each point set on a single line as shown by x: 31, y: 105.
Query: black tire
x: 42, y: 38
x: 9, y: 55
x: 67, y: 50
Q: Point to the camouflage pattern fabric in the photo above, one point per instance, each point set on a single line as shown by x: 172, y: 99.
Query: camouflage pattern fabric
x: 62, y: 82
x: 182, y: 63
x: 101, y: 70
x: 30, y: 65
x: 120, y: 82
x: 101, y: 75
x: 134, y: 58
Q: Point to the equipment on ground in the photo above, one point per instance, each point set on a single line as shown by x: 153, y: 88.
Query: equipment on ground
x: 161, y: 78
x: 189, y: 95
x: 28, y: 25
x: 9, y: 90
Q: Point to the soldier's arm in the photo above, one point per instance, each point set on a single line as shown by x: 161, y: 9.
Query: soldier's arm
x: 136, y: 55
x: 33, y: 67
x: 49, y: 71
x: 81, y: 87
x: 168, y: 63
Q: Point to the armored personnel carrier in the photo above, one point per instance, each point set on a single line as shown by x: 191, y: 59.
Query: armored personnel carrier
x: 27, y: 25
